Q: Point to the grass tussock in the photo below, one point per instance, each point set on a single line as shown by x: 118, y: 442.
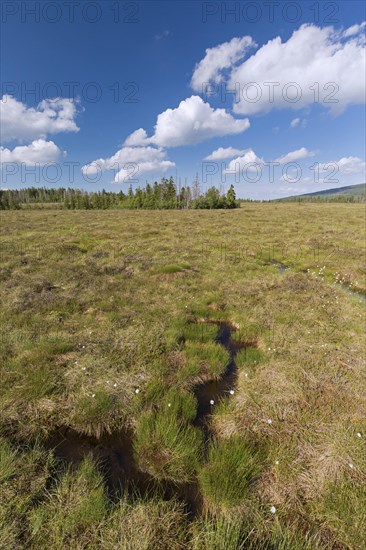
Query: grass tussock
x: 201, y: 332
x: 74, y: 511
x: 94, y: 413
x: 203, y: 361
x: 145, y: 524
x: 173, y: 268
x: 168, y: 448
x: 226, y: 478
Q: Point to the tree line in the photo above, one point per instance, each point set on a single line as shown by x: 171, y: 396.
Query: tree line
x: 325, y: 198
x: 163, y: 195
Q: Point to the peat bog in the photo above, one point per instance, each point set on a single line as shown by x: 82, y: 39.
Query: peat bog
x: 113, y: 352
x: 114, y: 454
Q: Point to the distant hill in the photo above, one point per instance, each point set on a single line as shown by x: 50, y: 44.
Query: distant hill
x: 356, y: 191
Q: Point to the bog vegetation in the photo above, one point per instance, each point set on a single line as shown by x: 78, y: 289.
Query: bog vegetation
x: 118, y: 328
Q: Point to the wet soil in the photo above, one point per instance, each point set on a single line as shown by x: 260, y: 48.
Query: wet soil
x: 281, y: 267
x: 114, y: 452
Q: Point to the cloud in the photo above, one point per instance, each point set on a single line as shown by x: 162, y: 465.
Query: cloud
x: 296, y: 122
x: 164, y: 34
x: 225, y: 153
x: 138, y: 137
x: 220, y: 57
x: 248, y: 162
x: 39, y: 152
x: 191, y: 122
x: 51, y: 116
x: 312, y: 59
x: 355, y: 29
x: 346, y: 165
x: 130, y: 162
x: 299, y: 154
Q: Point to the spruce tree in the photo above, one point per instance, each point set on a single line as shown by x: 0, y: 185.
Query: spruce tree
x: 231, y: 198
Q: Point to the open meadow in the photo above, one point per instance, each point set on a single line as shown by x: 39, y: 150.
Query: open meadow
x: 184, y: 379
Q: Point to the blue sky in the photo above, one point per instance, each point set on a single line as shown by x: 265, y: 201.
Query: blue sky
x: 78, y: 81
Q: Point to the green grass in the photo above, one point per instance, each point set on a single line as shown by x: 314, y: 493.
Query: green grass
x: 93, y: 303
x: 250, y: 356
x: 200, y: 332
x: 181, y: 404
x: 168, y: 448
x: 230, y: 470
x: 144, y: 524
x: 94, y: 413
x: 220, y: 533
x: 74, y: 511
x: 173, y: 268
x: 25, y: 473
x: 7, y: 461
x: 344, y: 508
x: 203, y: 361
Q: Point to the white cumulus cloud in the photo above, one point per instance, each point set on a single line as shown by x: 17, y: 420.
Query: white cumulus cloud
x: 294, y: 122
x: 315, y: 65
x: 249, y: 162
x: 293, y: 156
x: 210, y: 68
x: 51, y: 116
x: 39, y: 152
x: 355, y: 29
x: 191, y: 122
x: 225, y: 153
x: 346, y: 165
x: 138, y: 137
x: 130, y: 162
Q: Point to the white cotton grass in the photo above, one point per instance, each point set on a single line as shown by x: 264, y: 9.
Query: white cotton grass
x: 169, y: 404
x: 212, y: 402
x: 269, y: 421
x: 137, y: 391
x: 93, y: 394
x: 359, y: 434
x: 231, y: 392
x: 115, y: 385
x: 351, y: 465
x: 277, y: 462
x: 273, y: 509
